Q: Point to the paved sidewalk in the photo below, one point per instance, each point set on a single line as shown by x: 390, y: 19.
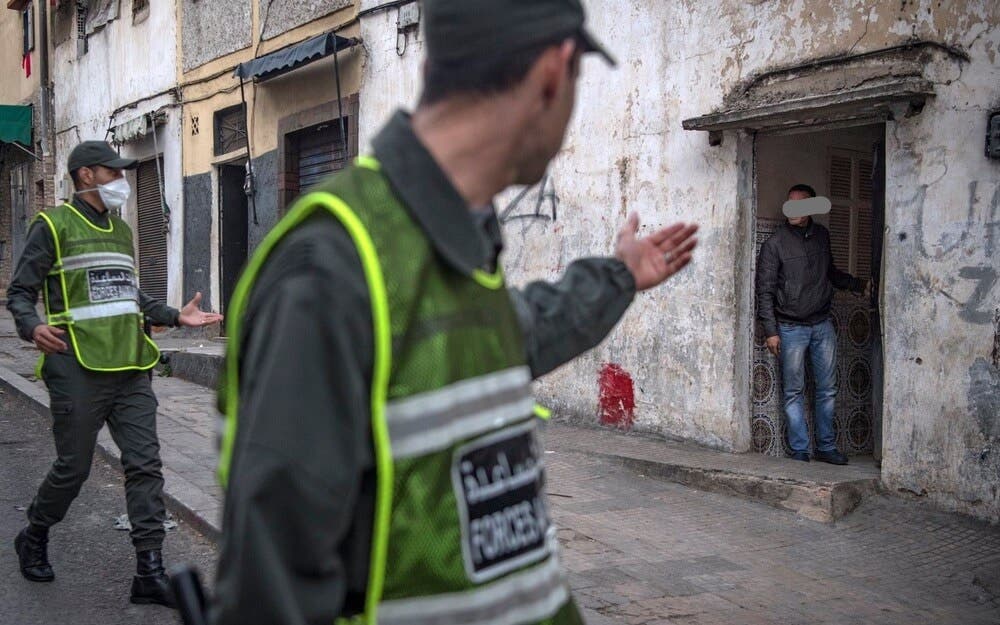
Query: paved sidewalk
x: 645, y: 551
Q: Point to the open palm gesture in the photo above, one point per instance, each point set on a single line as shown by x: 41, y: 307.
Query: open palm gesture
x: 193, y: 317
x: 654, y: 258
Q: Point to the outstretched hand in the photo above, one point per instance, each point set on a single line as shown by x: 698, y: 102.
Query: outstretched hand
x: 654, y: 258
x: 193, y: 317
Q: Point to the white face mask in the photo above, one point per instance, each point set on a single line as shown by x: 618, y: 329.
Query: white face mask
x: 114, y: 194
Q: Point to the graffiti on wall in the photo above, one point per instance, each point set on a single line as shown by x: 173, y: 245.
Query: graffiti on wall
x: 982, y: 220
x: 538, y: 202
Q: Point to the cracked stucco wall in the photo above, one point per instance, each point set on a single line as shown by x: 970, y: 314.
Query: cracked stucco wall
x: 685, y: 345
x: 942, y: 418
x: 214, y: 29
x: 280, y: 16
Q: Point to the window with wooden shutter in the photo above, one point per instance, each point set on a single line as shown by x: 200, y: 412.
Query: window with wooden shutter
x: 850, y: 175
x: 152, y: 232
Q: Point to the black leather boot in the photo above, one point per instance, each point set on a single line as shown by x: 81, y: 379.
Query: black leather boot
x: 32, y: 547
x: 151, y: 584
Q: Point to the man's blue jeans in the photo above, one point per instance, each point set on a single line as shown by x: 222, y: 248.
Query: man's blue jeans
x: 820, y: 341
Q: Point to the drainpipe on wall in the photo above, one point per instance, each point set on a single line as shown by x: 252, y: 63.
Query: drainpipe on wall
x: 46, y: 116
x: 43, y: 65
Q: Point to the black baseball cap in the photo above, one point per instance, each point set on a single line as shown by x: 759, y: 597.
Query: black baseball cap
x: 91, y: 153
x: 461, y: 30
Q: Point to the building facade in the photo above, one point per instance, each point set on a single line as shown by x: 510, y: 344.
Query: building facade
x: 26, y: 154
x: 716, y: 109
x: 234, y: 107
x: 289, y: 56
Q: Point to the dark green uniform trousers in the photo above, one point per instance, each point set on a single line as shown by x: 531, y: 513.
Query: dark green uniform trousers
x: 82, y: 402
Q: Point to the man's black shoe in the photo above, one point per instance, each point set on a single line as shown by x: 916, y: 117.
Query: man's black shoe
x: 833, y: 457
x: 800, y: 455
x: 151, y: 584
x: 33, y: 556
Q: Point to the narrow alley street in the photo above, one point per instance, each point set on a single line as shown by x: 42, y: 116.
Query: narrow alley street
x: 639, y: 551
x: 93, y: 561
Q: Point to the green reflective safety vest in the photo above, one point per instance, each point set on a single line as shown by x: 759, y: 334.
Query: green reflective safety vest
x: 94, y: 272
x: 461, y: 532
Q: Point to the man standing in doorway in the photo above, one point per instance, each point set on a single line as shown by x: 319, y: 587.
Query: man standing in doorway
x: 95, y: 359
x: 380, y: 443
x: 796, y: 277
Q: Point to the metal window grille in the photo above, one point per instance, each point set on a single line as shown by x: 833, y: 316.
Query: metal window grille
x: 230, y: 130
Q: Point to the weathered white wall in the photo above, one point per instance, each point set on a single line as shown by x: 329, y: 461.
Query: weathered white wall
x: 133, y: 66
x: 389, y: 81
x: 685, y: 345
x: 942, y: 297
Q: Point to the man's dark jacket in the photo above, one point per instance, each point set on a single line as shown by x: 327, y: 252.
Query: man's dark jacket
x: 796, y: 277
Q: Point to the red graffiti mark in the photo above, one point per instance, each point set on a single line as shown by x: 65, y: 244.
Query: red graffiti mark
x: 617, y: 398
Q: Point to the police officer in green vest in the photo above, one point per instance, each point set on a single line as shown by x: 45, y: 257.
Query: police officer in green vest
x: 79, y: 257
x: 380, y: 452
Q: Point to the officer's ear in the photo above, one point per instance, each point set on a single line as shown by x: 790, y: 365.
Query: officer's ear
x: 83, y: 178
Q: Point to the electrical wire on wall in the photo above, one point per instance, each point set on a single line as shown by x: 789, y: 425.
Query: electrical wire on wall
x: 251, y: 185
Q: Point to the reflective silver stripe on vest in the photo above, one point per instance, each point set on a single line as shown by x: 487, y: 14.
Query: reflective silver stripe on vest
x: 100, y: 311
x: 527, y: 597
x: 98, y: 259
x: 431, y: 421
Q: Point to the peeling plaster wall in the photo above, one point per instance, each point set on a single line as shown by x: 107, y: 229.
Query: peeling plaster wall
x: 942, y: 297
x: 389, y: 80
x: 685, y: 346
x: 214, y: 29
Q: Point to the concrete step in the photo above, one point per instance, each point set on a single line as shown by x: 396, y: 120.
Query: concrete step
x: 816, y: 491
x: 199, y: 364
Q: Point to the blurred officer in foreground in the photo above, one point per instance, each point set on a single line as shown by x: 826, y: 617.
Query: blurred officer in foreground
x: 380, y: 452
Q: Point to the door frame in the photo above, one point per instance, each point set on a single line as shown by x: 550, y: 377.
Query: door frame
x: 747, y: 194
x: 217, y: 220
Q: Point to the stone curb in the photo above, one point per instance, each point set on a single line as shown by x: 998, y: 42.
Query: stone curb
x: 199, y: 368
x: 178, y: 494
x: 819, y: 497
x: 818, y: 502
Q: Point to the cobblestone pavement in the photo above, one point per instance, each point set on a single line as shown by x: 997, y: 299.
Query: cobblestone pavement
x: 642, y: 551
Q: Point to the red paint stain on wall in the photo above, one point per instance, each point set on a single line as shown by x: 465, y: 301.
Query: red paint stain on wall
x: 616, y: 401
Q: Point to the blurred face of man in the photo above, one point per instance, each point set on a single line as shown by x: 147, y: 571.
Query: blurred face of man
x: 798, y: 221
x: 553, y: 85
